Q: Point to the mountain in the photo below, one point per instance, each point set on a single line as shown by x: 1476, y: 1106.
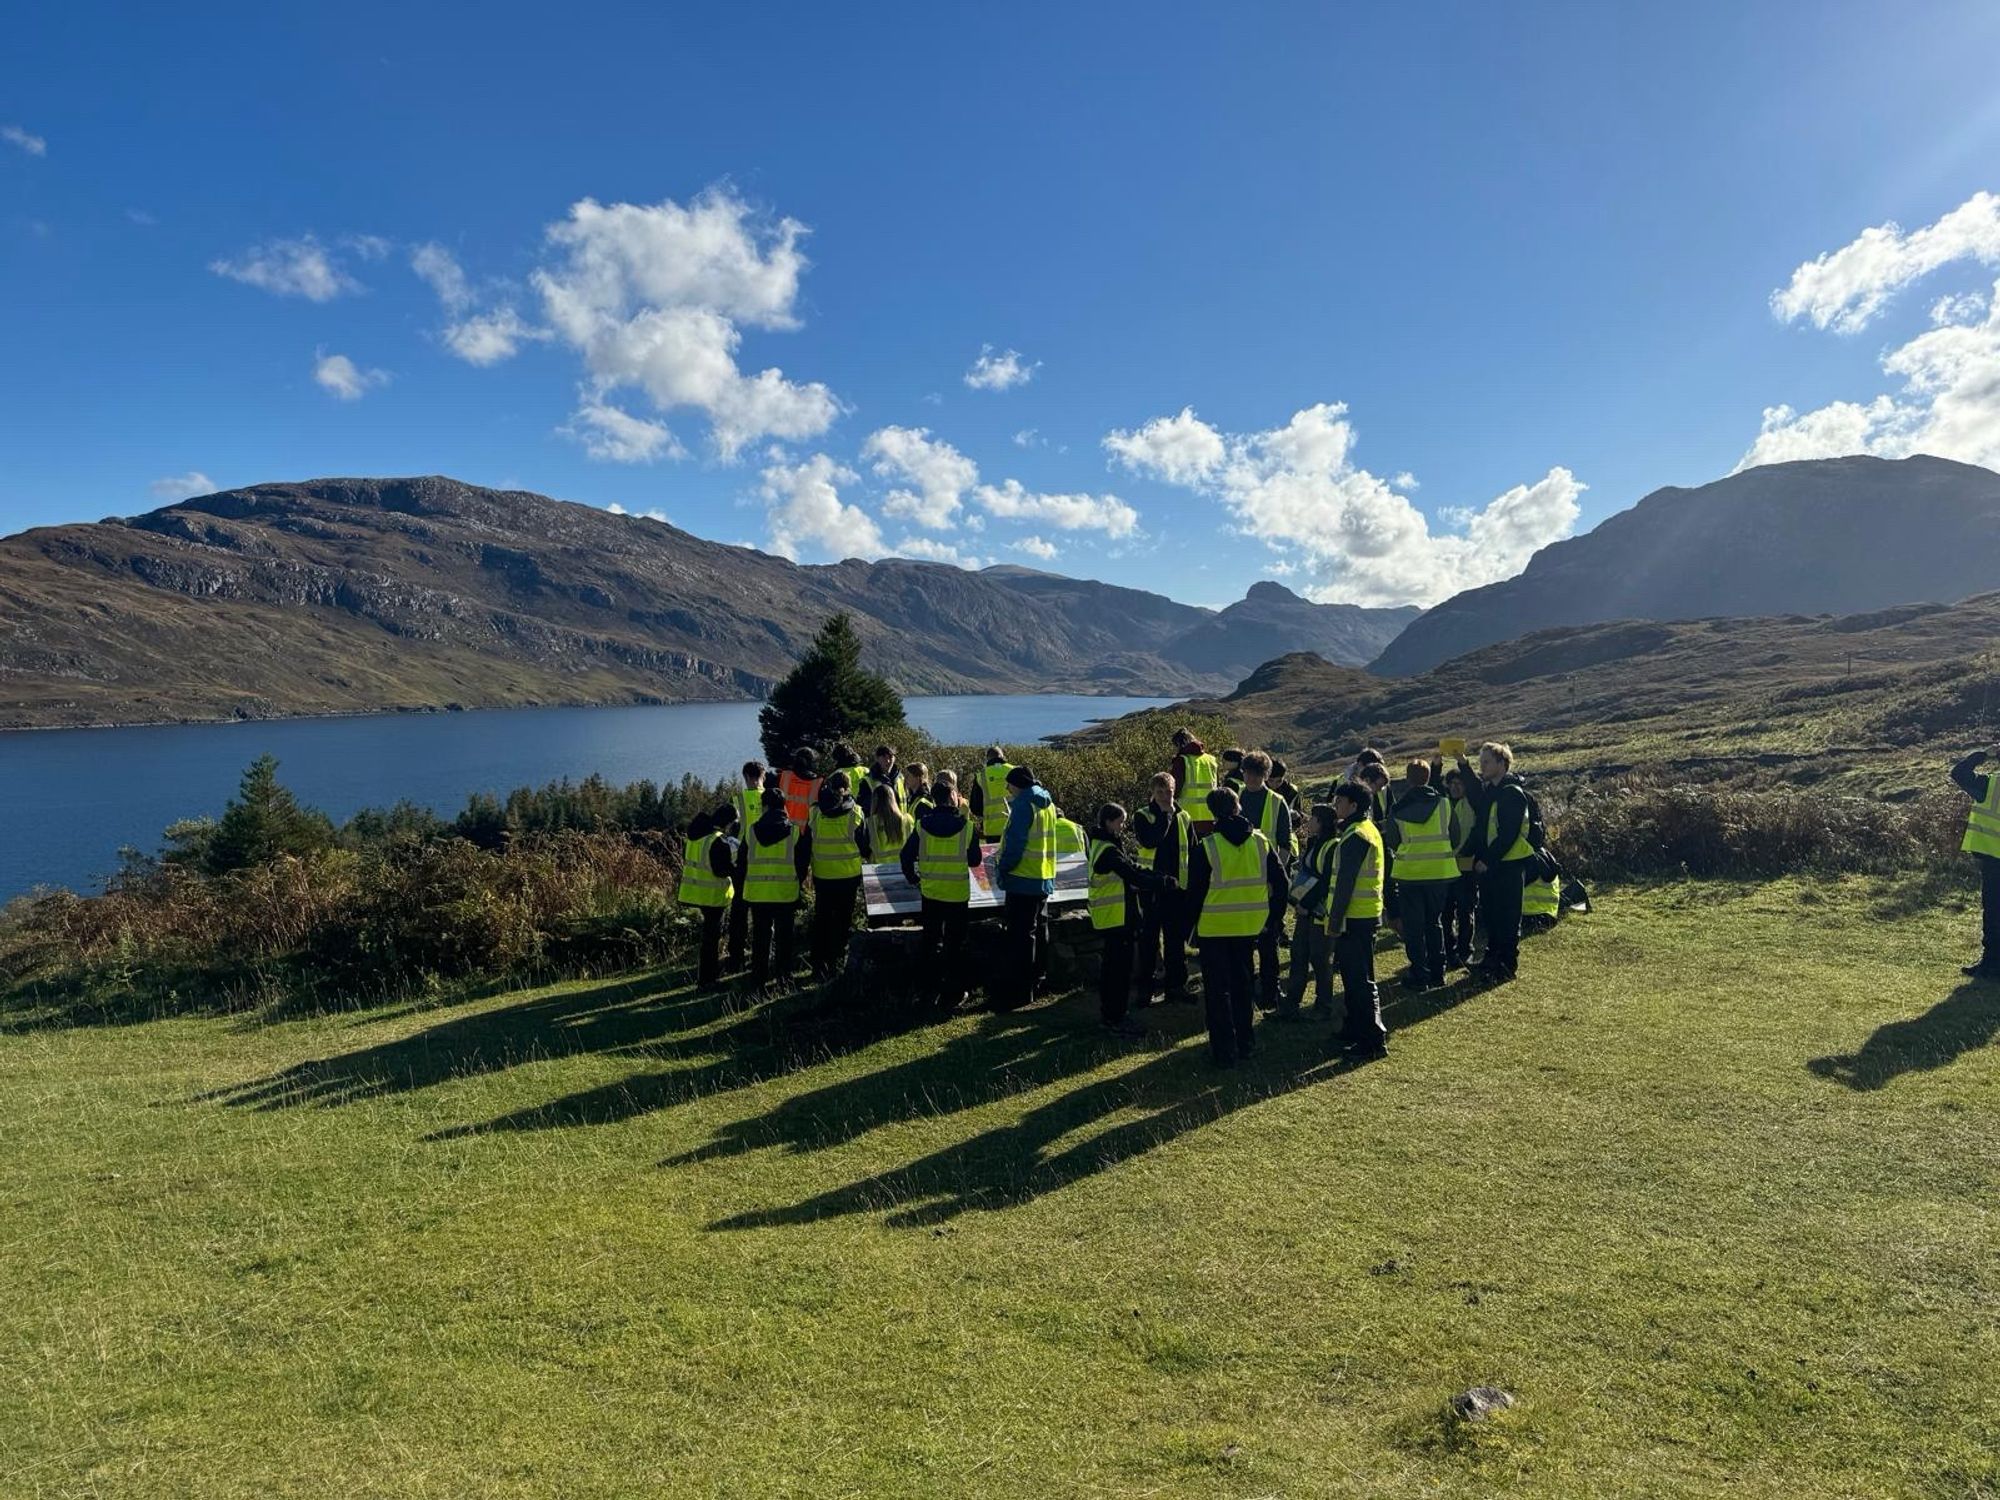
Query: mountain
x: 1825, y: 536
x: 1272, y: 620
x: 350, y: 595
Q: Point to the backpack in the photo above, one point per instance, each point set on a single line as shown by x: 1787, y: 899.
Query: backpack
x: 1538, y: 828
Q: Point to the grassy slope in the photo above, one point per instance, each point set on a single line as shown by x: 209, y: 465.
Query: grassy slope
x: 610, y: 1240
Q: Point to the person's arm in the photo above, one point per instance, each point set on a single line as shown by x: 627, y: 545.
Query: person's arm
x: 975, y: 796
x: 1347, y: 870
x: 722, y: 858
x: 1115, y: 861
x: 742, y: 863
x: 1014, y: 842
x: 1391, y: 831
x: 975, y: 853
x: 1149, y: 827
x: 802, y: 857
x: 1966, y: 774
x: 910, y: 856
x: 1197, y: 877
x: 1275, y: 878
x: 864, y: 841
x: 1283, y: 822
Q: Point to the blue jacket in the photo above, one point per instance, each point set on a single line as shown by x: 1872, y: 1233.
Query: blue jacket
x: 1014, y: 843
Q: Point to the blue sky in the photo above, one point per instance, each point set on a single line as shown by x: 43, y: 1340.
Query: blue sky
x: 1531, y: 250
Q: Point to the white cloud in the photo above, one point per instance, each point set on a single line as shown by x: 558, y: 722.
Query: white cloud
x: 440, y: 271
x: 302, y: 267
x: 1297, y: 489
x: 1027, y: 437
x: 341, y: 378
x: 1105, y: 513
x: 367, y: 246
x: 611, y: 434
x: 14, y: 135
x: 1844, y: 289
x: 1405, y: 481
x: 1036, y: 546
x: 1181, y: 450
x: 638, y: 515
x: 1966, y: 307
x: 488, y: 338
x: 654, y: 297
x: 999, y: 372
x: 140, y: 217
x: 939, y: 471
x: 182, y: 486
x: 803, y: 509
x: 930, y: 549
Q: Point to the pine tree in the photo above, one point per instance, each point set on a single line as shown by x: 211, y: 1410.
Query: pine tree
x: 828, y: 696
x: 263, y: 821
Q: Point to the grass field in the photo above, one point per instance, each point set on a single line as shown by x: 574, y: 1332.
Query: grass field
x: 1711, y: 1191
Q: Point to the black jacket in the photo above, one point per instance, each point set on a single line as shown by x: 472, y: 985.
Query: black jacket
x: 1154, y: 830
x: 1510, y: 797
x: 1417, y: 804
x: 1108, y: 857
x: 1316, y: 856
x: 943, y: 823
x: 1281, y: 820
x: 1237, y: 830
x: 1347, y: 870
x: 1970, y: 781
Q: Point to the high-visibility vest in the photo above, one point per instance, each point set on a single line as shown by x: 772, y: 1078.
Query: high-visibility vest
x: 1463, y: 818
x: 1070, y: 837
x: 1107, y: 891
x: 700, y: 885
x: 1038, y: 855
x: 1365, y: 900
x: 1982, y: 824
x: 1522, y: 848
x: 836, y: 852
x: 1539, y: 899
x: 993, y: 810
x: 749, y: 805
x: 857, y: 780
x: 771, y: 877
x: 799, y: 792
x: 1238, y: 903
x: 888, y: 837
x: 1179, y: 834
x: 942, y: 871
x: 1267, y: 823
x: 1200, y: 781
x: 1424, y: 849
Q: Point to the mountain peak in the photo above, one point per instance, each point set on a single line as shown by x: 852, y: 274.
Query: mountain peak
x: 1268, y: 592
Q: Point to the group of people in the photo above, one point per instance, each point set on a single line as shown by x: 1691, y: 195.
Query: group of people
x: 1224, y: 853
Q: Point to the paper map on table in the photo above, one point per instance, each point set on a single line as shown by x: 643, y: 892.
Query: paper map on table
x: 889, y: 895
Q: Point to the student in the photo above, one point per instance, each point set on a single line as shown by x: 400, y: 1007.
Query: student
x: 888, y: 824
x: 1500, y: 857
x: 839, y: 848
x: 1027, y: 872
x: 1982, y: 842
x: 1112, y: 880
x: 1196, y: 773
x: 1232, y: 878
x: 1353, y: 911
x: 1165, y: 834
x: 1281, y: 783
x: 847, y: 763
x: 799, y: 787
x: 757, y: 785
x: 1271, y: 816
x: 917, y: 789
x: 988, y: 796
x: 882, y: 773
x: 938, y: 858
x: 1232, y: 769
x: 1312, y: 944
x: 1419, y: 834
x: 1375, y: 777
x: 708, y: 861
x: 1462, y: 903
x: 771, y: 866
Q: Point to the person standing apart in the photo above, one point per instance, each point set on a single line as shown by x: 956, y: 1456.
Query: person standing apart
x: 1232, y: 877
x: 1027, y: 871
x: 1982, y: 842
x: 771, y: 867
x: 839, y: 847
x: 939, y: 858
x: 1312, y: 943
x: 1112, y: 879
x: 1353, y: 912
x: 1419, y: 833
x: 1165, y: 834
x: 1501, y: 860
x: 708, y: 862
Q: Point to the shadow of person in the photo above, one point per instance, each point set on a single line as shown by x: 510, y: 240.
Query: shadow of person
x: 1966, y: 1019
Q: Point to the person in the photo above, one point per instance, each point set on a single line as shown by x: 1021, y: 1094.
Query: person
x: 840, y: 847
x: 771, y: 867
x: 847, y: 763
x: 1195, y: 775
x: 938, y: 858
x: 749, y: 799
x: 1353, y: 911
x: 1026, y: 869
x: 883, y: 772
x: 1312, y: 944
x: 1541, y: 901
x: 799, y: 786
x: 1281, y: 783
x: 1463, y: 901
x: 1232, y: 769
x: 1500, y: 857
x: 1163, y: 829
x: 1070, y: 837
x: 1271, y: 816
x: 1113, y: 878
x: 988, y: 793
x: 1418, y: 835
x: 1367, y: 756
x: 1231, y: 877
x: 917, y: 789
x: 1375, y: 776
x: 888, y: 824
x: 708, y: 863
x: 1982, y: 842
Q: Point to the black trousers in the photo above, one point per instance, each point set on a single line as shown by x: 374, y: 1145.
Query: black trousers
x: 833, y: 923
x: 1500, y: 912
x: 1361, y: 1002
x: 1461, y: 904
x: 945, y: 926
x: 1114, y: 984
x: 1021, y: 955
x: 1423, y: 926
x: 1227, y: 983
x: 1270, y: 974
x: 1312, y: 963
x: 772, y: 924
x: 1162, y: 935
x: 1989, y: 909
x: 708, y: 970
x: 739, y: 930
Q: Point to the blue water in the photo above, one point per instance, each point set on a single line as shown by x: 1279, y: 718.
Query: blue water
x: 69, y: 798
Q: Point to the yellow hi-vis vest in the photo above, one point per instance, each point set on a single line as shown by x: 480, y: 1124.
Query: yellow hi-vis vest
x: 1070, y: 837
x: 1179, y: 835
x: 1365, y: 900
x: 1201, y: 781
x: 1267, y: 824
x: 993, y: 811
x: 1424, y: 852
x: 1107, y: 891
x: 1038, y: 855
x: 1462, y: 819
x: 942, y: 871
x: 1982, y: 824
x: 701, y: 886
x: 836, y: 852
x: 1539, y: 899
x: 1522, y: 848
x: 771, y: 877
x: 749, y: 806
x: 1238, y: 903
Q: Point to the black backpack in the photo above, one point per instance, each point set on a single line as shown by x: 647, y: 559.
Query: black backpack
x: 1538, y: 829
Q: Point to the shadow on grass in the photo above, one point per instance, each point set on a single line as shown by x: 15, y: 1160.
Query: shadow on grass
x: 1964, y: 1021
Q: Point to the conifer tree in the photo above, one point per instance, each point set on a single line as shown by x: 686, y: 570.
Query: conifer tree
x: 828, y: 696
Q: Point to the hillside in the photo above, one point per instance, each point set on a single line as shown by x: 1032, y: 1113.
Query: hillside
x: 1271, y: 620
x: 348, y: 595
x: 1829, y: 536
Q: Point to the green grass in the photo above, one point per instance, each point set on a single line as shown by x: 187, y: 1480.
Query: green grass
x: 1711, y: 1190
